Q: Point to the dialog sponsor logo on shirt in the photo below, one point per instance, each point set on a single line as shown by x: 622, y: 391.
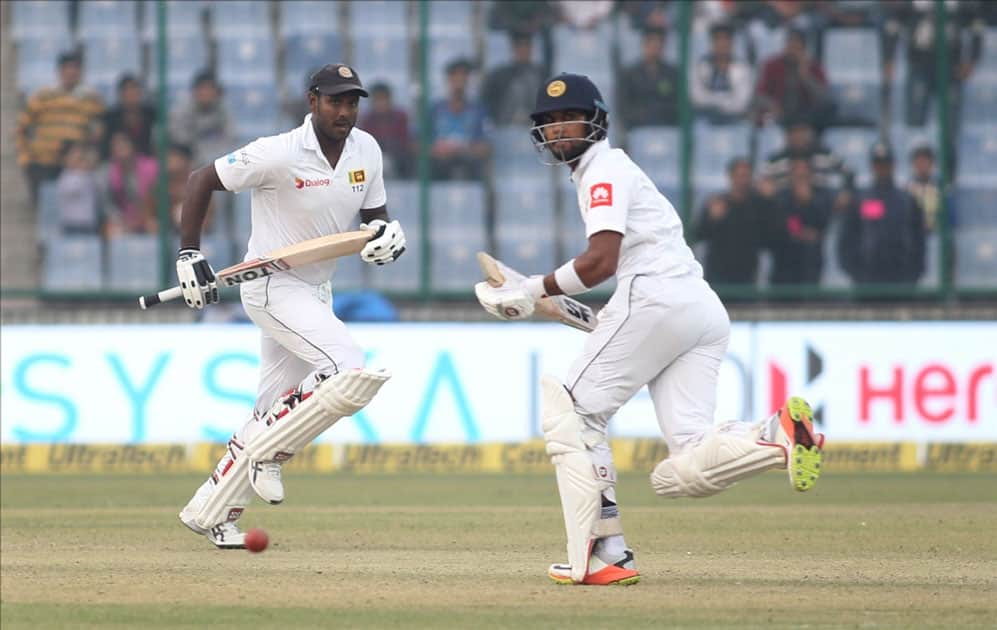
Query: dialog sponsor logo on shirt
x: 308, y: 183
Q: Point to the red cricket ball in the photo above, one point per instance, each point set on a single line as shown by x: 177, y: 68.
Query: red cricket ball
x: 257, y: 540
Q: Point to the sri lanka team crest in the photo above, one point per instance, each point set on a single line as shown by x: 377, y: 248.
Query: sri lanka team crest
x: 357, y: 177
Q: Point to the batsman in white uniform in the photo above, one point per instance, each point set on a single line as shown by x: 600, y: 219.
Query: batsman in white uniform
x: 663, y: 327
x: 306, y: 183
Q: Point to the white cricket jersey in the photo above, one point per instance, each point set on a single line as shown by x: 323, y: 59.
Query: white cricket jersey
x: 297, y: 195
x: 615, y: 194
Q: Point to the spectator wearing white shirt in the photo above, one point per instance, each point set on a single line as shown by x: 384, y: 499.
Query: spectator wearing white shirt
x: 721, y: 85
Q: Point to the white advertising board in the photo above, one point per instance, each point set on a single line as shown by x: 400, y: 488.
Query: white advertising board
x: 465, y: 383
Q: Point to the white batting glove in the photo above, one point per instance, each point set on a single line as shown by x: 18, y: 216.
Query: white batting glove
x: 508, y: 301
x: 388, y: 242
x: 197, y: 279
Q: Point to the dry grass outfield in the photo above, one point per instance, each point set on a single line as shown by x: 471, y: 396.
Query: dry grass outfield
x: 876, y: 551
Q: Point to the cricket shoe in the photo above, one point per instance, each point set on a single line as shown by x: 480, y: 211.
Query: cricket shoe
x: 795, y: 434
x: 223, y: 536
x: 622, y: 572
x: 267, y: 480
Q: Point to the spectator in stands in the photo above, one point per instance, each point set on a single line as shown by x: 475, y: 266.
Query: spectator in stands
x: 829, y: 171
x: 647, y: 91
x: 733, y: 225
x: 924, y: 185
x: 459, y: 147
x: 720, y: 85
x: 79, y: 192
x: 202, y: 123
x: 132, y: 115
x: 882, y: 236
x: 803, y: 213
x: 793, y: 84
x: 536, y: 17
x: 389, y: 126
x: 509, y: 90
x: 68, y: 112
x: 131, y: 188
x: 647, y: 13
x: 585, y: 14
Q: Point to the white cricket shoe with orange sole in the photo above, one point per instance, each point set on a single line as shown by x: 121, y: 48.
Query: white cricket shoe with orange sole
x: 623, y: 572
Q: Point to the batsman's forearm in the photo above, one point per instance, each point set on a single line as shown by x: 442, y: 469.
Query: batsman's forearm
x: 196, y: 199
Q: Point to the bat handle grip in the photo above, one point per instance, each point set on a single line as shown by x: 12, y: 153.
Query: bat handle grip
x: 148, y: 301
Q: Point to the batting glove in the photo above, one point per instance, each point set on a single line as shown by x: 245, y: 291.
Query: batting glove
x: 197, y: 279
x: 505, y: 302
x: 387, y: 245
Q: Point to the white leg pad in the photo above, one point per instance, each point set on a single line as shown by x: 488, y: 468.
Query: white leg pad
x: 577, y: 480
x: 337, y: 397
x: 716, y: 463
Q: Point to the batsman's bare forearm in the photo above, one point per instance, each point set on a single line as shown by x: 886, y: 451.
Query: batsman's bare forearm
x: 596, y: 265
x: 196, y: 199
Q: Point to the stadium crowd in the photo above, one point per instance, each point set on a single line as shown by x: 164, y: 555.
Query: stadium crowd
x: 829, y: 167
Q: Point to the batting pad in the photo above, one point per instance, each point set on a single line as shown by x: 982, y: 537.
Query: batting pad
x: 337, y: 397
x: 717, y: 463
x: 577, y: 483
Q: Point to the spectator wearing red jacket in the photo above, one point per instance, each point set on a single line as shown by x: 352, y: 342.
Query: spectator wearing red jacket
x: 793, y: 85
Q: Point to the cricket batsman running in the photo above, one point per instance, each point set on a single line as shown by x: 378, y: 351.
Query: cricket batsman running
x: 306, y: 183
x: 663, y: 327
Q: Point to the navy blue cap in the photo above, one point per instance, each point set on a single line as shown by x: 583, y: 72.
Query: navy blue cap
x: 881, y: 152
x: 568, y: 91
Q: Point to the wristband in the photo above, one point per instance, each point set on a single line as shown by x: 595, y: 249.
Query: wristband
x: 568, y: 280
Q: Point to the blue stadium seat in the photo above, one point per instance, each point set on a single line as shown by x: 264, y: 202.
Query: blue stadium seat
x: 584, y: 51
x: 514, y: 155
x: 49, y: 219
x: 448, y: 18
x: 403, y: 205
x: 183, y: 18
x: 108, y: 57
x: 980, y: 96
x: 73, y: 263
x: 373, y: 18
x: 525, y: 228
x: 932, y: 262
x: 852, y: 60
x: 858, y: 102
x: 852, y: 144
x: 976, y: 207
x: 186, y: 56
x: 977, y: 154
x: 305, y: 53
x: 571, y: 230
x: 41, y: 19
x: 306, y: 17
x: 240, y: 18
x: 498, y: 49
x: 771, y: 139
x: 36, y: 63
x: 133, y: 262
x: 657, y: 151
x: 976, y: 258
x: 98, y: 18
x: 458, y: 233
x: 385, y: 59
x: 714, y: 147
x: 255, y: 110
x: 246, y: 60
x: 767, y: 41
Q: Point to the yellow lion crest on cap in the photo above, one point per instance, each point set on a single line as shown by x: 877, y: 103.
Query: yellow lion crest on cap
x: 556, y: 88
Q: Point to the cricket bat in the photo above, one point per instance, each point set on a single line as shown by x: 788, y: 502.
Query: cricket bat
x: 297, y: 255
x: 558, y: 307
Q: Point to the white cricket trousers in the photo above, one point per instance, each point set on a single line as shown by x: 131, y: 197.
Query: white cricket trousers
x: 299, y: 335
x: 670, y: 334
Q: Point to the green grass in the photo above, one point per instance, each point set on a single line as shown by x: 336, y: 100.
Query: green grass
x: 471, y: 551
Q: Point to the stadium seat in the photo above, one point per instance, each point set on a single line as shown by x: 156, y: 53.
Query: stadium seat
x: 514, y: 155
x: 457, y: 234
x: 305, y: 53
x: 308, y: 17
x: 449, y: 18
x: 657, y: 151
x: 498, y: 49
x: 107, y: 58
x: 186, y: 56
x: 246, y: 60
x: 240, y: 19
x: 48, y: 223
x: 378, y: 18
x: 852, y: 62
x: 770, y: 139
x: 255, y: 110
x: 403, y: 205
x: 41, y: 19
x: 183, y: 18
x: 133, y: 262
x: 976, y: 207
x: 980, y: 96
x: 714, y: 146
x: 852, y: 145
x: 977, y: 154
x: 767, y: 41
x: 386, y: 59
x: 525, y: 227
x: 571, y: 228
x: 98, y: 18
x: 976, y: 258
x: 584, y: 51
x: 73, y: 263
x: 36, y: 63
